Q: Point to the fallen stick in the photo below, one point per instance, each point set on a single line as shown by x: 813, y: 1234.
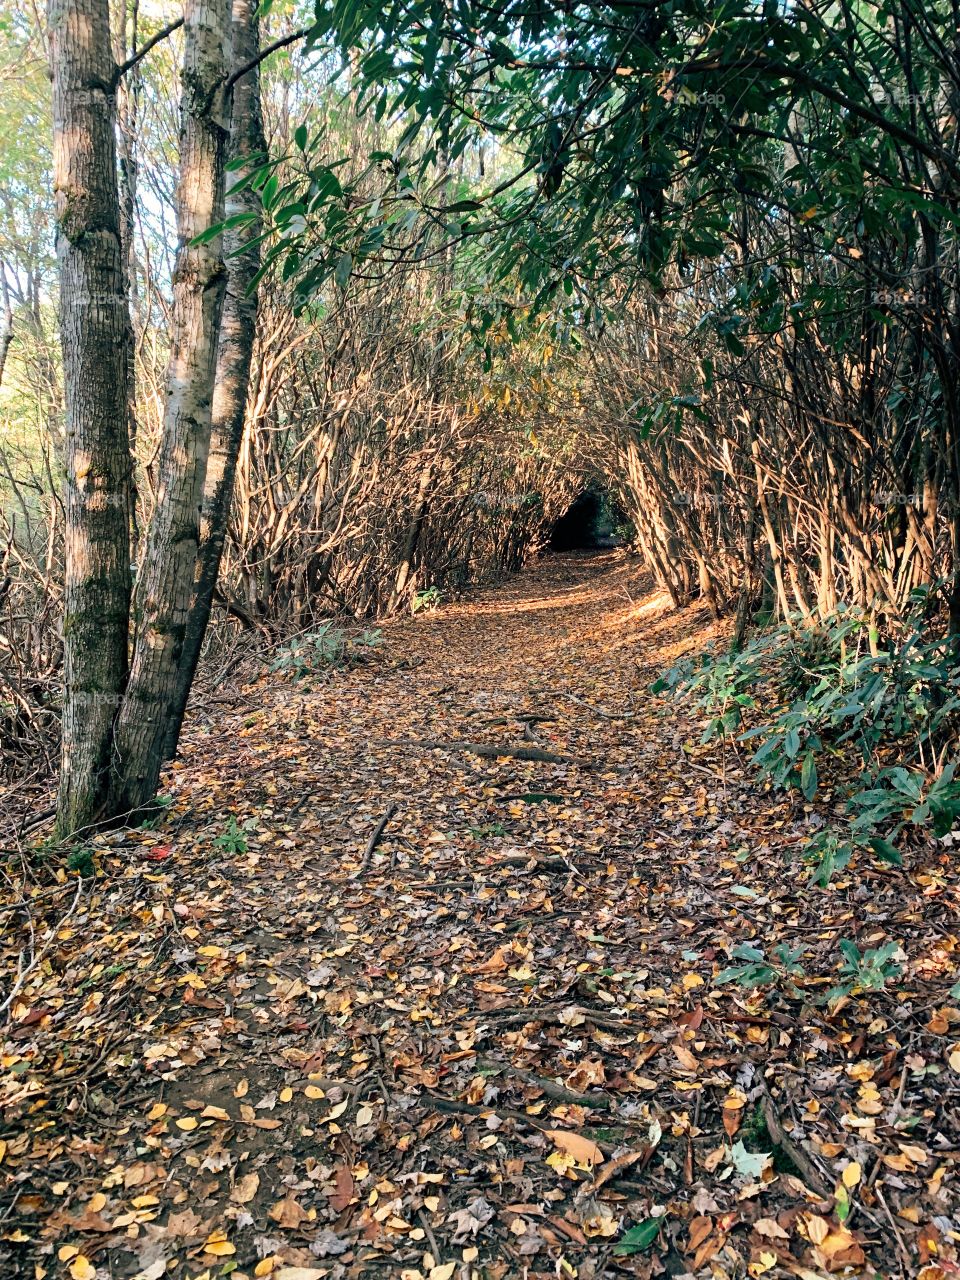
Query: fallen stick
x: 552, y: 863
x: 453, y: 1106
x: 551, y: 1013
x: 375, y: 837
x: 799, y: 1158
x: 493, y: 752
x: 597, y: 711
x: 550, y: 1087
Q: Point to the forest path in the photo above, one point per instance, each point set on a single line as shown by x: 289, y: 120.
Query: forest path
x: 492, y: 1046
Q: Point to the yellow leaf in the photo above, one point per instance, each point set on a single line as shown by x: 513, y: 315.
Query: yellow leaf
x: 583, y: 1150
x: 67, y: 1251
x: 82, y: 1268
x: 851, y: 1174
x: 218, y: 1244
x: 214, y: 1113
x: 157, y: 1110
x: 286, y: 1094
x: 444, y: 1272
x: 313, y: 1091
x: 187, y: 1123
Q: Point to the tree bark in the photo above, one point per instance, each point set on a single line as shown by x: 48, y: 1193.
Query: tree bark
x: 95, y: 335
x: 6, y: 323
x: 235, y: 353
x: 165, y: 591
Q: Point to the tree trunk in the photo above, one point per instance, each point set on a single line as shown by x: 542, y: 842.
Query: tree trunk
x: 95, y: 335
x: 165, y: 591
x: 235, y: 353
x: 6, y: 324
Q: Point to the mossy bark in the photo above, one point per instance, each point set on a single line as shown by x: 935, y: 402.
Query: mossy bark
x: 96, y: 340
x: 165, y: 590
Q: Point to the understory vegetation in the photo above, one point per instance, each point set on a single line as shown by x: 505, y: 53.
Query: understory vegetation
x: 883, y: 720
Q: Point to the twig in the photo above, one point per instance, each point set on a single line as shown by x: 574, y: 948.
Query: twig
x: 54, y: 930
x: 901, y: 1247
x: 551, y: 1013
x: 799, y: 1157
x: 597, y: 711
x: 281, y: 43
x: 454, y: 1106
x: 375, y: 837
x: 550, y: 1087
x: 493, y: 752
x: 121, y: 70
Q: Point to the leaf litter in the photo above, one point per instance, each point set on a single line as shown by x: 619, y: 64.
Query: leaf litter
x: 367, y: 1001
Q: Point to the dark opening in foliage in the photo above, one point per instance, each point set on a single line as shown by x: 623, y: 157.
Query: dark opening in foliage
x: 586, y: 525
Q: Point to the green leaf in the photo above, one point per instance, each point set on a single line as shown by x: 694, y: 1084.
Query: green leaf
x: 885, y: 851
x: 300, y: 136
x: 343, y: 269
x: 640, y: 1237
x: 808, y: 776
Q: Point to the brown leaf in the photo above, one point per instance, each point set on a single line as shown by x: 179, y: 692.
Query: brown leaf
x: 685, y: 1057
x: 700, y: 1228
x: 245, y: 1188
x: 583, y: 1150
x: 288, y: 1213
x: 614, y: 1168
x: 344, y: 1189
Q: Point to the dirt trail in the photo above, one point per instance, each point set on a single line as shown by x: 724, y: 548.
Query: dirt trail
x: 491, y: 1046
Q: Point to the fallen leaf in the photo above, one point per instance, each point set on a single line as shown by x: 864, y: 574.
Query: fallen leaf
x: 583, y: 1150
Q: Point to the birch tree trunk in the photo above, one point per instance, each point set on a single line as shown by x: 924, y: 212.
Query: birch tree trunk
x: 96, y: 338
x: 165, y: 589
x: 237, y: 329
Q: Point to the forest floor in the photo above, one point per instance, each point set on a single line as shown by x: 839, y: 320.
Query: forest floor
x: 493, y: 1045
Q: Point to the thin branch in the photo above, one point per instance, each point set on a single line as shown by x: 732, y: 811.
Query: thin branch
x: 134, y: 58
x: 281, y: 43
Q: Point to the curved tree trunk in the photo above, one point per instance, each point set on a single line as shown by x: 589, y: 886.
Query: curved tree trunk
x: 165, y: 591
x: 242, y: 250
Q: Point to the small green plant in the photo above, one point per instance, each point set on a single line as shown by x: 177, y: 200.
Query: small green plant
x: 81, y: 861
x: 864, y: 971
x: 429, y: 598
x: 757, y: 970
x: 829, y: 852
x: 233, y: 839
x: 324, y: 649
x: 490, y: 829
